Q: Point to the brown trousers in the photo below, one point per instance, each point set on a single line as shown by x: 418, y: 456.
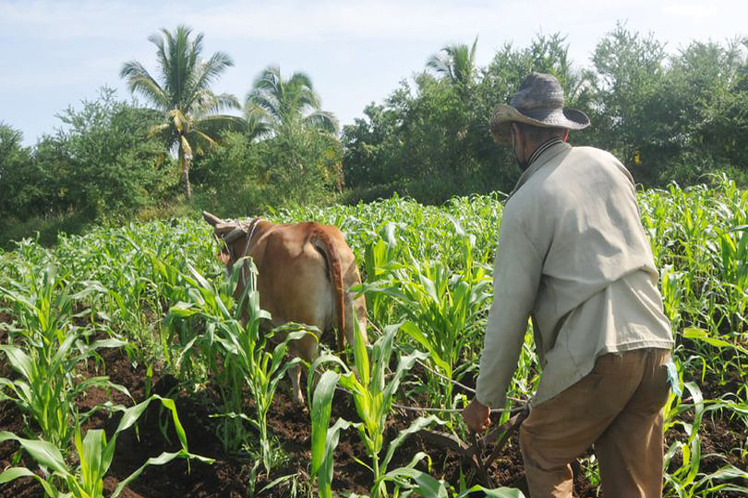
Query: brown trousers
x: 618, y: 409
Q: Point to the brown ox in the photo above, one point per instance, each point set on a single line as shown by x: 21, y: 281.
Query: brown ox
x: 305, y: 271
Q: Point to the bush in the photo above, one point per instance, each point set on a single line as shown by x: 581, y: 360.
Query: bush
x: 245, y: 178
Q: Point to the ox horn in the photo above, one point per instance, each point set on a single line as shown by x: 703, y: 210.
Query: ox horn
x: 211, y: 218
x: 234, y: 234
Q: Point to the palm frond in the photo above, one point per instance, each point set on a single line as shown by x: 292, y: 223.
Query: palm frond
x: 262, y: 104
x: 206, y: 103
x: 257, y: 129
x: 455, y: 62
x: 202, y: 142
x: 440, y: 65
x: 322, y: 121
x: 140, y: 81
x: 215, y: 124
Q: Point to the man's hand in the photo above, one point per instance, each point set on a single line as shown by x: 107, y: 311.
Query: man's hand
x: 477, y: 416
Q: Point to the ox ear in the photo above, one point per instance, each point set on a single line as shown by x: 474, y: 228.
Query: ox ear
x: 223, y: 258
x: 211, y: 218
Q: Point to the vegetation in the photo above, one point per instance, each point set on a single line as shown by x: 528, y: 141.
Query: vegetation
x: 667, y: 117
x: 156, y: 290
x: 189, y: 107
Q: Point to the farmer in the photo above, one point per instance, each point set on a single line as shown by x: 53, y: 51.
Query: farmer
x: 573, y: 255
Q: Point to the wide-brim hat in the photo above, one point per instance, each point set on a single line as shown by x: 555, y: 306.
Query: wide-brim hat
x: 538, y: 102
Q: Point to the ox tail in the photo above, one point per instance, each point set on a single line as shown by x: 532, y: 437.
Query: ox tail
x: 326, y: 245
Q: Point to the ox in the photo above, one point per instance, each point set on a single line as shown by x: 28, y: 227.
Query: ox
x: 305, y: 271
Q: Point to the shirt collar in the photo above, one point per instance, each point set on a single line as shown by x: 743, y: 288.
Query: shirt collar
x: 543, y: 147
x: 547, y: 150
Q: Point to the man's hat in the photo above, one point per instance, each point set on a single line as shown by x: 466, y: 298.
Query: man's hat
x: 538, y: 102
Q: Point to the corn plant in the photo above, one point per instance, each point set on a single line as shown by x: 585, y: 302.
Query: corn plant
x: 47, y: 349
x: 249, y: 353
x: 698, y: 237
x: 442, y: 310
x: 324, y: 439
x: 373, y: 396
x: 237, y: 351
x: 686, y: 480
x: 95, y: 455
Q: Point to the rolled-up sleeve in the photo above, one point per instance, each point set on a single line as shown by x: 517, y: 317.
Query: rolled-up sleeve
x: 517, y: 272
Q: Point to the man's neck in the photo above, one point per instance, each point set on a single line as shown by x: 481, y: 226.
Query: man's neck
x: 542, y: 148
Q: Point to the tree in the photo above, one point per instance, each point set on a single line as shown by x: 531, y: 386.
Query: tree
x: 455, y: 62
x: 19, y: 179
x: 629, y: 71
x: 102, y: 161
x: 276, y: 106
x: 184, y: 96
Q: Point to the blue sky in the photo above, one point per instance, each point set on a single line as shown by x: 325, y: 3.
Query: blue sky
x: 55, y: 53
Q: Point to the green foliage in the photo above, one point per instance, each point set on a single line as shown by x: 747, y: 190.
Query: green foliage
x: 291, y: 169
x: 103, y: 160
x: 94, y: 456
x: 430, y: 138
x: 22, y: 184
x: 666, y: 117
x: 162, y: 291
x: 100, y: 163
x: 189, y: 121
x: 46, y: 350
x: 288, y: 155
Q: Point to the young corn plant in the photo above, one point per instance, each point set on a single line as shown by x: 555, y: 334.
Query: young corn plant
x: 373, y: 396
x: 250, y: 354
x: 686, y: 480
x: 193, y: 328
x: 45, y: 352
x: 441, y: 310
x: 94, y: 455
x: 325, y: 438
x: 405, y: 479
x: 378, y: 254
x: 238, y: 352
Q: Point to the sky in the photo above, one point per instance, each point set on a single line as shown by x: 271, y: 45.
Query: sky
x: 54, y: 54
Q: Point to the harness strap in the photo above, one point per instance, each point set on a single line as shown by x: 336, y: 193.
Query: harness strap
x: 253, y: 226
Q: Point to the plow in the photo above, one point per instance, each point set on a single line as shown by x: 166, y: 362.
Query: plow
x: 474, y: 452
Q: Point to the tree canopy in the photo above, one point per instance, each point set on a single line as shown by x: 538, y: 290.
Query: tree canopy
x: 191, y: 122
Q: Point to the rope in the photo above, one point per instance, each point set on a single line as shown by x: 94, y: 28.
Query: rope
x: 456, y: 410
x: 253, y: 225
x: 463, y: 386
x: 458, y: 384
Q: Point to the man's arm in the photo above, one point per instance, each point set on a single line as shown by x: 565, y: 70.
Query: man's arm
x: 517, y: 272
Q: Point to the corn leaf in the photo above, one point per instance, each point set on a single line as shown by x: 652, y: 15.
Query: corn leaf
x: 321, y: 409
x: 44, y: 453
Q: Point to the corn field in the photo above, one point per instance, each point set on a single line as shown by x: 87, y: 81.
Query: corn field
x: 126, y: 368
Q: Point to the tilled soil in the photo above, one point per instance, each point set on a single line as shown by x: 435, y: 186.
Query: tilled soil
x: 231, y: 476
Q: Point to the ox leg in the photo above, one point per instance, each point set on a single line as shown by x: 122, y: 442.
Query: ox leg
x: 295, y: 374
x: 307, y: 349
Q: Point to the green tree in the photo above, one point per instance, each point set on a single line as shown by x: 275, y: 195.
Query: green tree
x: 628, y: 76
x: 102, y: 161
x: 22, y: 184
x: 276, y: 106
x: 455, y: 62
x: 191, y: 123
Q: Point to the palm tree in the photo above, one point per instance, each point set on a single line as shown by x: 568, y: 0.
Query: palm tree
x: 276, y: 106
x: 455, y: 62
x: 190, y: 108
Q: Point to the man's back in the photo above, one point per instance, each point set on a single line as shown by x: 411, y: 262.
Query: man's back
x: 598, y: 280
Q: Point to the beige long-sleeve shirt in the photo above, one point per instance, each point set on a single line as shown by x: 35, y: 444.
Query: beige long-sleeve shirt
x: 572, y: 255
